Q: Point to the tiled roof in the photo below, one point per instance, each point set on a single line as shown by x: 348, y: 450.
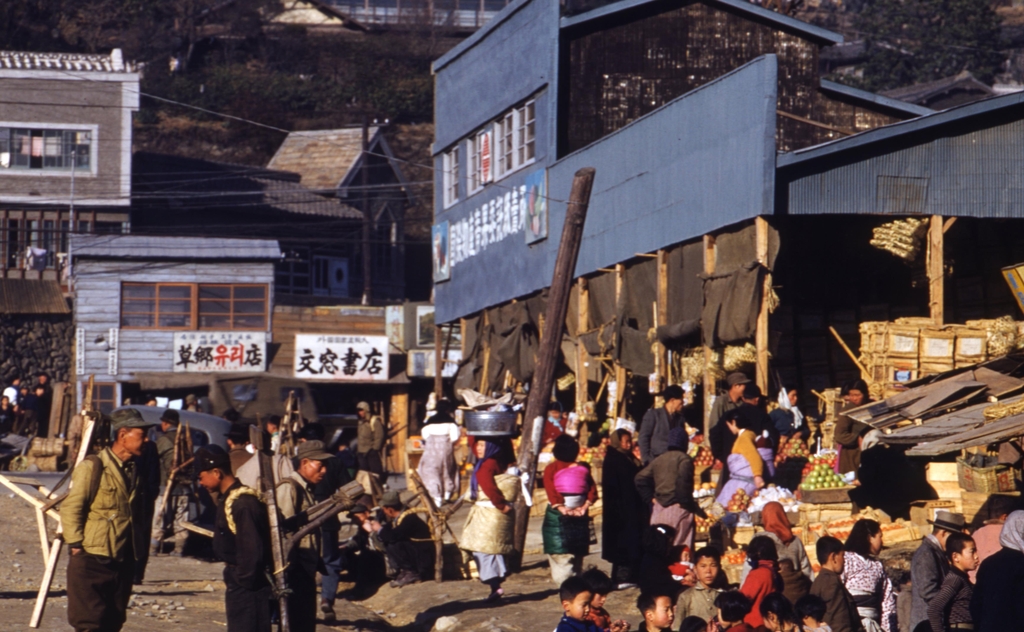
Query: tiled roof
x: 323, y: 158
x: 18, y: 60
x: 26, y: 296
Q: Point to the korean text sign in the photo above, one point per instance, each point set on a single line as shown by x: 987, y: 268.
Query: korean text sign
x: 219, y: 351
x: 341, y: 358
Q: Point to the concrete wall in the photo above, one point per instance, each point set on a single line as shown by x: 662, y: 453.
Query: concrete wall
x: 99, y: 102
x: 701, y: 162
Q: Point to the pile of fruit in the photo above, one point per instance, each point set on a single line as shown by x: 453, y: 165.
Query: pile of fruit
x: 738, y: 502
x: 734, y: 558
x: 589, y: 455
x: 795, y: 448
x: 702, y: 490
x: 827, y: 459
x: 702, y: 526
x: 821, y: 476
x: 702, y: 457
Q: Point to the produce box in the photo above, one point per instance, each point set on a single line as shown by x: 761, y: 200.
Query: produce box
x: 899, y: 531
x: 811, y: 513
x: 732, y: 563
x: 976, y: 506
x: 998, y: 478
x: 742, y: 536
x: 922, y: 511
x: 826, y: 496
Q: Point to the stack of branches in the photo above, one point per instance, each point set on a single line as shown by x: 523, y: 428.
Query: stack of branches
x: 902, y: 238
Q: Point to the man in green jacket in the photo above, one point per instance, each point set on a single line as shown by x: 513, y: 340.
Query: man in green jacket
x: 104, y: 525
x: 171, y: 522
x: 369, y: 440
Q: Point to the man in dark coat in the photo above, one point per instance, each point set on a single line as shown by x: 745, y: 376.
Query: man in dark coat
x: 848, y: 431
x: 407, y: 539
x: 929, y: 566
x: 242, y: 539
x: 625, y: 514
x: 998, y: 600
x: 658, y: 422
x: 719, y: 437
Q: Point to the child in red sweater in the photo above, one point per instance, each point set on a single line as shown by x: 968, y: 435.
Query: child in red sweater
x: 764, y: 579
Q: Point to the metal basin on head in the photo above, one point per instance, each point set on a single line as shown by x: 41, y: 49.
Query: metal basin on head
x: 490, y: 423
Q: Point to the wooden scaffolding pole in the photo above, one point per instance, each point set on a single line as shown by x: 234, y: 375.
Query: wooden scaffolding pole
x: 486, y: 347
x: 936, y: 270
x: 438, y: 365
x: 620, y: 371
x: 709, y: 376
x: 664, y: 370
x: 582, y: 357
x: 761, y: 336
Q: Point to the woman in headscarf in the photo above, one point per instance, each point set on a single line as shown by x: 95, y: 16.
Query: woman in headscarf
x: 794, y: 567
x: 866, y: 580
x: 437, y: 468
x: 566, y: 529
x: 625, y: 513
x: 490, y: 526
x: 998, y: 602
x: 745, y: 463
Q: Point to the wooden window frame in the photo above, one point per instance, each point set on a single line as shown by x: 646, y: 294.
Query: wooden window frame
x: 97, y: 400
x: 194, y: 309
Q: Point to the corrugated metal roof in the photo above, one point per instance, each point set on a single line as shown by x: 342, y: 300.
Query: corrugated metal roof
x: 19, y: 60
x: 28, y: 296
x: 876, y: 99
x: 145, y: 247
x: 323, y: 157
x: 921, y: 92
x: 750, y: 10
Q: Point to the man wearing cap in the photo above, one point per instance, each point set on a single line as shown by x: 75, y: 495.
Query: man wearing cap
x: 104, y: 525
x: 176, y: 512
x: 238, y: 445
x: 720, y: 438
x: 241, y: 538
x: 294, y: 496
x: 929, y: 566
x: 407, y: 539
x: 658, y: 422
x: 364, y: 552
x: 369, y: 440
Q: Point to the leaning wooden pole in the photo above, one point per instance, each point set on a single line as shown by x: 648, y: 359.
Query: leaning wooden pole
x: 547, y: 356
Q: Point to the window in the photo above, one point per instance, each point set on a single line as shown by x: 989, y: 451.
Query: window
x: 104, y: 397
x: 451, y: 176
x: 193, y: 306
x: 516, y: 133
x: 45, y: 149
x: 479, y: 161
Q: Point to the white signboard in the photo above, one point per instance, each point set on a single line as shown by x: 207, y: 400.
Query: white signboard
x: 421, y: 363
x: 219, y: 351
x: 394, y: 322
x: 341, y: 358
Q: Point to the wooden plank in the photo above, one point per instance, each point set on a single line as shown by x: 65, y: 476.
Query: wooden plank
x: 44, y: 585
x: 936, y: 270
x: 44, y: 537
x: 399, y: 422
x: 761, y: 334
x: 998, y: 384
x: 620, y: 371
x: 486, y: 350
x: 994, y: 432
x: 937, y: 397
x: 710, y: 257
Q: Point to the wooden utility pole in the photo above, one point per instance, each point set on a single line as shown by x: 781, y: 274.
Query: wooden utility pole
x: 582, y: 357
x: 664, y: 371
x: 761, y: 336
x: 710, y: 256
x: 367, y: 215
x: 547, y: 356
x: 936, y: 270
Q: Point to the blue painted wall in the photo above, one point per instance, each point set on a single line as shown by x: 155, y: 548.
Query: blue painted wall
x: 701, y: 162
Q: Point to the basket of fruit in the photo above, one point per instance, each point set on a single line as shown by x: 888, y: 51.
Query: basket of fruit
x: 739, y: 501
x: 822, y: 485
x: 732, y: 564
x: 795, y: 448
x: 702, y: 527
x: 702, y: 459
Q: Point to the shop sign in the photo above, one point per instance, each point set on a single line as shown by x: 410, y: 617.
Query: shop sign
x: 341, y: 358
x: 219, y: 351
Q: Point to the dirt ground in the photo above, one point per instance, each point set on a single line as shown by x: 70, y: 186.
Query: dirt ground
x: 187, y: 594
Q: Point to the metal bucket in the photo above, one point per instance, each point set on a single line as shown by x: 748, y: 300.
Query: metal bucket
x: 490, y: 423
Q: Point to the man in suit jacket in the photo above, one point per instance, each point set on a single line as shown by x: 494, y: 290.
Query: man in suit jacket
x: 658, y: 422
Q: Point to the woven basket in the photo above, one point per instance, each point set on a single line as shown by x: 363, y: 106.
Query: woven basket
x: 986, y: 480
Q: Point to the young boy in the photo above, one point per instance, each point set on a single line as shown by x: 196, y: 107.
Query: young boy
x: 732, y: 607
x: 840, y: 610
x: 810, y: 611
x: 600, y: 587
x: 657, y: 611
x: 699, y: 601
x: 950, y: 607
x: 575, y: 595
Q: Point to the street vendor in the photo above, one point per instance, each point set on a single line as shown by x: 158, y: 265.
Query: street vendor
x: 242, y: 540
x: 847, y: 430
x: 746, y: 467
x: 571, y: 492
x: 720, y: 437
x: 666, y: 483
x: 490, y: 527
x: 437, y: 468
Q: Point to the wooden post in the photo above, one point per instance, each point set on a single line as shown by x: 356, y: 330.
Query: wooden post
x: 710, y: 256
x: 665, y: 372
x: 400, y: 422
x: 267, y: 490
x: 761, y: 336
x: 486, y: 348
x: 620, y: 371
x: 547, y: 356
x: 582, y: 357
x: 936, y: 270
x: 438, y: 365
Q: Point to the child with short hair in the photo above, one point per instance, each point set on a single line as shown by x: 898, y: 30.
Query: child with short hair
x: 699, y: 600
x: 810, y: 611
x: 950, y: 608
x: 777, y: 613
x: 575, y: 595
x: 657, y: 611
x: 732, y: 607
x: 600, y: 587
x: 840, y: 610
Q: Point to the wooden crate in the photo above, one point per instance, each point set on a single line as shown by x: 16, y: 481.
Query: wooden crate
x: 922, y: 511
x: 998, y: 478
x: 975, y: 506
x: 826, y: 496
x: 811, y: 514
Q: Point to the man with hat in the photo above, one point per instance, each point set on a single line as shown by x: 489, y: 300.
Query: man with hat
x: 658, y: 422
x: 929, y: 566
x: 407, y: 540
x: 238, y: 445
x: 241, y: 538
x: 176, y: 511
x: 369, y: 440
x: 294, y: 496
x: 104, y: 524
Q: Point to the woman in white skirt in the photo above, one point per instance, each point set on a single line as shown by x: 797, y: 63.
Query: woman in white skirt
x: 437, y: 468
